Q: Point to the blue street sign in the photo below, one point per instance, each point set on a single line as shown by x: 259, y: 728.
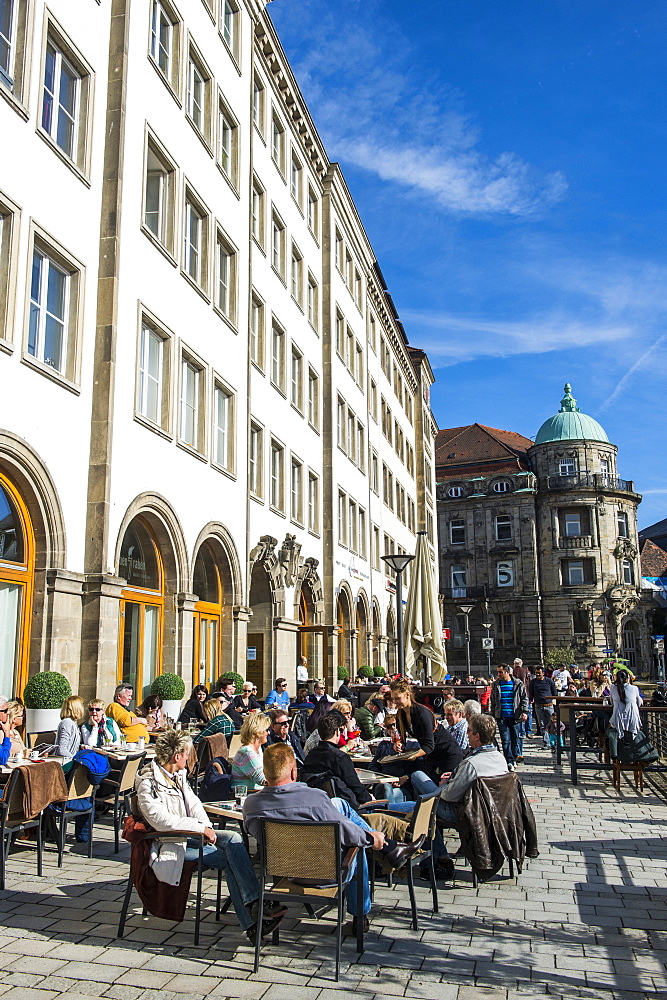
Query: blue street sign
x: 609, y: 652
x: 657, y: 637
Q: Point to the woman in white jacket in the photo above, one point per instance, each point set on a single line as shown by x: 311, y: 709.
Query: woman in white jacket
x: 168, y: 804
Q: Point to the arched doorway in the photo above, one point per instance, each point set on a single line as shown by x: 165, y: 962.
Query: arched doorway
x: 363, y: 658
x: 17, y: 564
x: 141, y: 608
x: 207, y: 585
x: 377, y: 633
x: 391, y: 643
x: 344, y: 622
x: 260, y: 629
x: 631, y: 643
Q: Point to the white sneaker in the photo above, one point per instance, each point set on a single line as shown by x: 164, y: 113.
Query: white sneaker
x: 511, y: 767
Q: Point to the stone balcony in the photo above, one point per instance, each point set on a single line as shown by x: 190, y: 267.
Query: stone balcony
x: 575, y: 542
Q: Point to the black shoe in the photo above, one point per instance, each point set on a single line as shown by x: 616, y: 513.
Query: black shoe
x: 398, y: 855
x: 272, y: 908
x: 444, y: 869
x: 367, y: 925
x: 268, y: 927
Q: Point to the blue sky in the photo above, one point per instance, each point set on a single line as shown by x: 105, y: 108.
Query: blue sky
x: 508, y: 162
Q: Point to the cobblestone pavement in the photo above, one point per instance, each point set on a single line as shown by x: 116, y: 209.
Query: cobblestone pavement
x: 588, y: 918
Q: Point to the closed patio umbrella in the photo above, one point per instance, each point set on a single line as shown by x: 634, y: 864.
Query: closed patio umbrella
x: 422, y: 624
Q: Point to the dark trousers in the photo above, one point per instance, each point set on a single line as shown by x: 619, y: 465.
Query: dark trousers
x: 509, y: 735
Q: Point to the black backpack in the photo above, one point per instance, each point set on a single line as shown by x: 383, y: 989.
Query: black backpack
x: 216, y: 785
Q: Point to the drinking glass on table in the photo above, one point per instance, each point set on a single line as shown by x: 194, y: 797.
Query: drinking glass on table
x: 240, y: 793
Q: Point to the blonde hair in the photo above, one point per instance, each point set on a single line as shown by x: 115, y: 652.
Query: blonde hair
x: 14, y: 709
x: 211, y: 708
x: 96, y: 703
x: 455, y: 705
x: 168, y: 744
x: 342, y: 705
x: 278, y: 761
x: 253, y: 726
x: 73, y: 708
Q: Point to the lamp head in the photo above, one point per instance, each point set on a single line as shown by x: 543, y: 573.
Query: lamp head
x: 466, y: 608
x: 397, y: 562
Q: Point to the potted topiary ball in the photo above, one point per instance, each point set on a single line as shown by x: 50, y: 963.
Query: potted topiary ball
x: 43, y: 696
x: 343, y: 673
x: 366, y: 672
x: 231, y: 675
x: 171, y: 688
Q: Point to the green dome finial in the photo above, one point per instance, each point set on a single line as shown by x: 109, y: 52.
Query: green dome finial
x: 568, y: 403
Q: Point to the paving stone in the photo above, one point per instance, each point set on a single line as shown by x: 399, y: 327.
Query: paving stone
x: 240, y: 988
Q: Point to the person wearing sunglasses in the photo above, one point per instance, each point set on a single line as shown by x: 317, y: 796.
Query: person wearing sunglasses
x: 279, y: 732
x: 6, y: 744
x: 99, y: 731
x: 279, y: 696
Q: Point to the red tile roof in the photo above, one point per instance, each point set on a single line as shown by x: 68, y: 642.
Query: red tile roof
x: 653, y: 559
x: 479, y: 449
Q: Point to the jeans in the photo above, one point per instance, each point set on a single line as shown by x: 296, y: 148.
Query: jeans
x: 423, y: 785
x: 528, y: 724
x: 344, y: 807
x: 544, y: 715
x: 509, y: 734
x: 385, y: 790
x: 229, y: 854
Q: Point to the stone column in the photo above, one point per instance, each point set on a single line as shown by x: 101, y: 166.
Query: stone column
x: 238, y: 653
x: 100, y: 632
x: 332, y: 636
x: 284, y: 650
x: 64, y: 592
x: 185, y: 636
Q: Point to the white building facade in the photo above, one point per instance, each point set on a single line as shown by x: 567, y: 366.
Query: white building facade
x: 211, y: 424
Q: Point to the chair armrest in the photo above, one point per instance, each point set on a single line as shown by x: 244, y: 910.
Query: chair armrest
x: 349, y: 857
x: 174, y: 836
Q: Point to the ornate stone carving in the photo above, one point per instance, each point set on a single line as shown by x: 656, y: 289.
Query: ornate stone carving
x: 289, y: 557
x: 308, y: 568
x: 625, y: 549
x: 263, y: 549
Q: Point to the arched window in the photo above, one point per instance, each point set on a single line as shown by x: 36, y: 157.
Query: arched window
x: 455, y: 491
x: 504, y: 486
x: 208, y: 613
x: 141, y: 609
x: 17, y: 551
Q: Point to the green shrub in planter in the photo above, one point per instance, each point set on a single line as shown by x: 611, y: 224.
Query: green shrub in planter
x: 366, y: 671
x: 46, y: 690
x: 169, y: 687
x: 343, y: 673
x: 231, y: 675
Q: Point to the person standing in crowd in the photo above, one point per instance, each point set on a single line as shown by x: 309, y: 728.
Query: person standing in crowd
x: 523, y: 674
x: 302, y: 671
x: 626, y: 700
x: 278, y: 696
x: 132, y: 726
x: 542, y: 693
x: 509, y: 707
x: 561, y: 677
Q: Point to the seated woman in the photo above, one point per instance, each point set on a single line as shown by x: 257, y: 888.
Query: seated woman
x: 193, y: 710
x: 247, y: 766
x: 349, y: 735
x: 151, y: 710
x: 68, y: 735
x: 302, y: 700
x: 99, y: 731
x: 216, y: 721
x: 15, y: 713
x: 246, y: 701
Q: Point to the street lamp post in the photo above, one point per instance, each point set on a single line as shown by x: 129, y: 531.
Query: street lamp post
x: 398, y: 563
x: 466, y: 609
x: 488, y: 626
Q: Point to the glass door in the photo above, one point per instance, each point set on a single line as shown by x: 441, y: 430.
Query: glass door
x: 207, y: 646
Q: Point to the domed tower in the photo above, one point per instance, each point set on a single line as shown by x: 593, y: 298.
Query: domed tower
x: 587, y: 543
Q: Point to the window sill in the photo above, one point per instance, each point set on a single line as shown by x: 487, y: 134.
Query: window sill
x: 259, y: 245
x: 192, y: 451
x: 200, y: 135
x: 14, y: 103
x: 314, y: 328
x: 197, y: 288
x: 258, y: 368
x: 278, y: 389
x: 76, y: 170
x: 168, y: 84
x: 223, y: 471
x: 276, y: 510
x: 314, y: 428
x: 225, y: 319
x: 298, y: 304
x: 281, y: 172
x: 297, y: 523
x: 279, y: 275
x: 150, y: 426
x: 158, y: 245
x: 257, y: 498
x: 297, y: 409
x: 6, y: 346
x: 314, y: 533
x: 51, y: 373
x: 229, y: 182
x: 232, y: 55
x: 259, y: 132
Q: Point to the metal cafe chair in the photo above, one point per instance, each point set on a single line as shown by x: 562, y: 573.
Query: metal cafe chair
x: 123, y: 787
x: 78, y: 787
x: 422, y: 822
x: 288, y: 853
x: 13, y: 820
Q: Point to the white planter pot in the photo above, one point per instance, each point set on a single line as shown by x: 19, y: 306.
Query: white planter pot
x: 41, y: 720
x: 172, y: 708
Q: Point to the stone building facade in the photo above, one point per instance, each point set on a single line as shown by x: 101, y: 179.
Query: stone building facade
x: 539, y: 539
x: 204, y: 375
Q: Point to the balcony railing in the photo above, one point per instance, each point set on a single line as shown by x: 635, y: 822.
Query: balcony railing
x: 463, y: 593
x: 586, y: 480
x: 574, y: 542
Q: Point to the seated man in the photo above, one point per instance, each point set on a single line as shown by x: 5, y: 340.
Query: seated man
x: 484, y: 761
x: 167, y: 803
x: 284, y: 797
x: 366, y: 717
x: 327, y: 761
x: 457, y: 724
x: 279, y: 732
x: 133, y: 727
x: 278, y: 697
x: 320, y: 692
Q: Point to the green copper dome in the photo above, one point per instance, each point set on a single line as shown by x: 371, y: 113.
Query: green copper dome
x: 570, y: 424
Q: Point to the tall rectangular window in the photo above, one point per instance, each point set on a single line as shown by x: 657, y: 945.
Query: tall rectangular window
x: 49, y: 307
x: 296, y: 491
x: 312, y: 211
x: 342, y: 519
x: 340, y: 335
x: 189, y: 404
x: 567, y: 467
x: 352, y: 526
x: 313, y: 305
x: 278, y: 245
x: 61, y: 100
x: 340, y: 424
x: 278, y: 358
x: 277, y: 474
x: 258, y: 95
x: 255, y: 460
x: 227, y: 143
x: 375, y: 472
x: 373, y: 399
x: 296, y: 174
x: 296, y: 379
x: 257, y: 332
x: 351, y: 441
x: 572, y: 525
x: 225, y: 279
x: 296, y: 276
x: 193, y: 242
x: 223, y: 422
x: 575, y: 571
x: 196, y: 94
x: 8, y: 18
x: 457, y: 532
x: 359, y: 364
x: 229, y: 13
x: 361, y: 446
x: 278, y: 143
x: 313, y: 502
x: 162, y: 38
x: 458, y: 578
x: 375, y: 547
x: 151, y: 347
x: 340, y: 249
x: 503, y: 527
x: 622, y: 524
x: 313, y: 399
x: 159, y: 196
x: 258, y: 212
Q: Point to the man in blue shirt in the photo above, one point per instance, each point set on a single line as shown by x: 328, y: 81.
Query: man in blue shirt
x: 6, y: 745
x: 509, y: 707
x: 279, y: 696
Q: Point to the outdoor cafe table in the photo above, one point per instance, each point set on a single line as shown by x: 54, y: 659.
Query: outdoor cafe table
x: 587, y: 705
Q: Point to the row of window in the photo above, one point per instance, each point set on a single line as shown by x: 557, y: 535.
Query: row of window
x: 284, y: 498
x: 502, y: 486
x: 352, y: 525
x: 348, y: 270
x: 349, y: 350
x: 568, y: 467
x: 166, y: 36
x: 396, y: 499
x: 351, y: 435
x: 573, y: 572
x: 205, y: 411
x: 394, y: 434
x: 394, y: 377
x: 503, y: 529
x: 507, y: 630
x: 572, y: 524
